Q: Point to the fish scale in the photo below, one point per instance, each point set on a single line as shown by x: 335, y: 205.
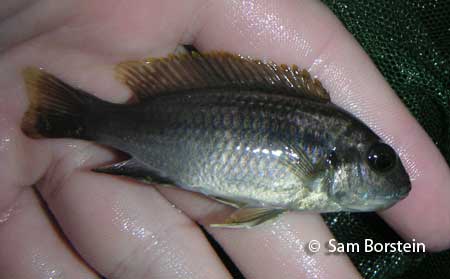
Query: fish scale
x: 199, y: 148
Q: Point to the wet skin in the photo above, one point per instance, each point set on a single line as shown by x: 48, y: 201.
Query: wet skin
x: 119, y: 228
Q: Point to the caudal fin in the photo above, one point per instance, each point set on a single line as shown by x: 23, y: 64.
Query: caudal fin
x: 56, y: 110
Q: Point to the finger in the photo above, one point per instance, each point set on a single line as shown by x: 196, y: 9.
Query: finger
x: 307, y: 34
x: 124, y: 233
x: 125, y: 229
x: 277, y: 249
x: 70, y: 155
x: 32, y: 246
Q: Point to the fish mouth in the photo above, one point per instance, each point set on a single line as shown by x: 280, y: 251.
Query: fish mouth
x: 404, y: 192
x: 378, y: 204
x: 389, y: 201
x: 372, y: 206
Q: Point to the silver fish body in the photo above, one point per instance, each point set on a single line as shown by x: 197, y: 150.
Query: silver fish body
x: 246, y: 147
x: 252, y: 144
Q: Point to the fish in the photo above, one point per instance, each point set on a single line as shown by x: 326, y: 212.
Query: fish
x: 261, y: 137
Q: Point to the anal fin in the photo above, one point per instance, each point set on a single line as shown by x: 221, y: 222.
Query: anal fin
x: 249, y: 217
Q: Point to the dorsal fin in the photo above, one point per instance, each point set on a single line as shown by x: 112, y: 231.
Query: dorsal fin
x: 154, y: 76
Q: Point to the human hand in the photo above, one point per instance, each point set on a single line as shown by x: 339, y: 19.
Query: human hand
x: 122, y: 229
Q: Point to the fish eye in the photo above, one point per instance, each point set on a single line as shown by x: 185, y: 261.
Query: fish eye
x: 381, y: 157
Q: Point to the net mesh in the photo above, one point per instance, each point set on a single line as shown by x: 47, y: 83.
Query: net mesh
x: 409, y: 42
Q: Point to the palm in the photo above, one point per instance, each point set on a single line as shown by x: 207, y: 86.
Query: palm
x: 122, y: 229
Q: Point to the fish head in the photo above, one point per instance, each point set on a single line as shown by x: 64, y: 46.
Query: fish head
x: 367, y: 177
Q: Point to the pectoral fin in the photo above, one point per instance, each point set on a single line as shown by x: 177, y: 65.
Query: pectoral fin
x: 134, y: 169
x: 249, y: 217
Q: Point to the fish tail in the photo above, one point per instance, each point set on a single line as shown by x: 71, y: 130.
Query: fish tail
x: 56, y: 110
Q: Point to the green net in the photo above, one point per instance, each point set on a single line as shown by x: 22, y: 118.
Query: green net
x: 409, y: 42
